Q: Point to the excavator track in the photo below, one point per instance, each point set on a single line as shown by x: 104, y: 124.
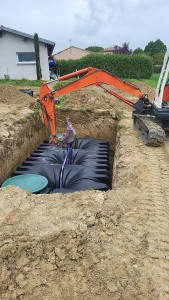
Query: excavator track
x: 151, y: 133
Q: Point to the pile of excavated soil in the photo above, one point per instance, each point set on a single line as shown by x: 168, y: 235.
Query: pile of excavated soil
x: 145, y: 89
x: 91, y: 244
x: 10, y: 94
x: 16, y: 107
x: 97, y: 98
x: 94, y: 98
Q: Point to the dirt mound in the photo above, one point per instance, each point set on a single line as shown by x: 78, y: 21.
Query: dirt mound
x: 97, y: 98
x: 10, y: 94
x: 94, y: 98
x: 145, y: 89
x: 16, y: 107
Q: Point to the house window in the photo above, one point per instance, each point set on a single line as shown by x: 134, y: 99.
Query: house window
x: 26, y: 57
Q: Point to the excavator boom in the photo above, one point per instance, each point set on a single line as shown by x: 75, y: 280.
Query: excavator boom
x: 149, y: 118
x: 92, y: 76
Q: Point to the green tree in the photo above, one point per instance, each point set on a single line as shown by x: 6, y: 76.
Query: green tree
x: 138, y: 51
x: 153, y: 48
x: 158, y: 58
x: 37, y: 55
x: 94, y: 49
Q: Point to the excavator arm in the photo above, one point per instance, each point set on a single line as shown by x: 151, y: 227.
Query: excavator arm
x: 92, y: 76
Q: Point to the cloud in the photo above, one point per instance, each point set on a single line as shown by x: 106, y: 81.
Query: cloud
x: 90, y: 22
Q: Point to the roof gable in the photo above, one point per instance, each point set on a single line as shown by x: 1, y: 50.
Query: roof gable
x: 72, y: 47
x: 50, y: 44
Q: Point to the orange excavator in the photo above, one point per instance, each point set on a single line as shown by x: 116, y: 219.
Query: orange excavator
x: 150, y: 118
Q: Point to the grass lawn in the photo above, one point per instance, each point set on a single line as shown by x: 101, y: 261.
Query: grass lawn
x: 24, y: 82
x: 151, y: 82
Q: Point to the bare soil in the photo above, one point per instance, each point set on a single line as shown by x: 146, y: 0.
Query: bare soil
x: 97, y: 98
x: 15, y: 106
x: 92, y: 244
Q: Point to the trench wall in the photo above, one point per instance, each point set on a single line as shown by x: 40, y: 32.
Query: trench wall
x: 16, y: 149
x: 50, y: 250
x: 29, y: 135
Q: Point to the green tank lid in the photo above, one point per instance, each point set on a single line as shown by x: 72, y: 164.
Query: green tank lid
x: 28, y: 182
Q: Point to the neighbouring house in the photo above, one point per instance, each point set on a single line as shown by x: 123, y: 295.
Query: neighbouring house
x: 111, y: 50
x: 17, y: 55
x: 70, y: 53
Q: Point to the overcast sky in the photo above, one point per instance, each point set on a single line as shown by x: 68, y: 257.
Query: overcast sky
x: 83, y: 23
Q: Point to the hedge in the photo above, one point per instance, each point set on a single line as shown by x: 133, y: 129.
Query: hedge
x: 157, y: 68
x: 123, y: 66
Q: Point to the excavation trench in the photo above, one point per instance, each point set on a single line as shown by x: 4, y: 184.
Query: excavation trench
x: 89, y: 244
x: 25, y: 153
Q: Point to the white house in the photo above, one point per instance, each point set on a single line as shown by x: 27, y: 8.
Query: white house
x: 17, y: 55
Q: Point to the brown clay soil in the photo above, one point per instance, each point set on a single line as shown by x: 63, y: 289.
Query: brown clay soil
x: 15, y: 106
x: 88, y: 245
